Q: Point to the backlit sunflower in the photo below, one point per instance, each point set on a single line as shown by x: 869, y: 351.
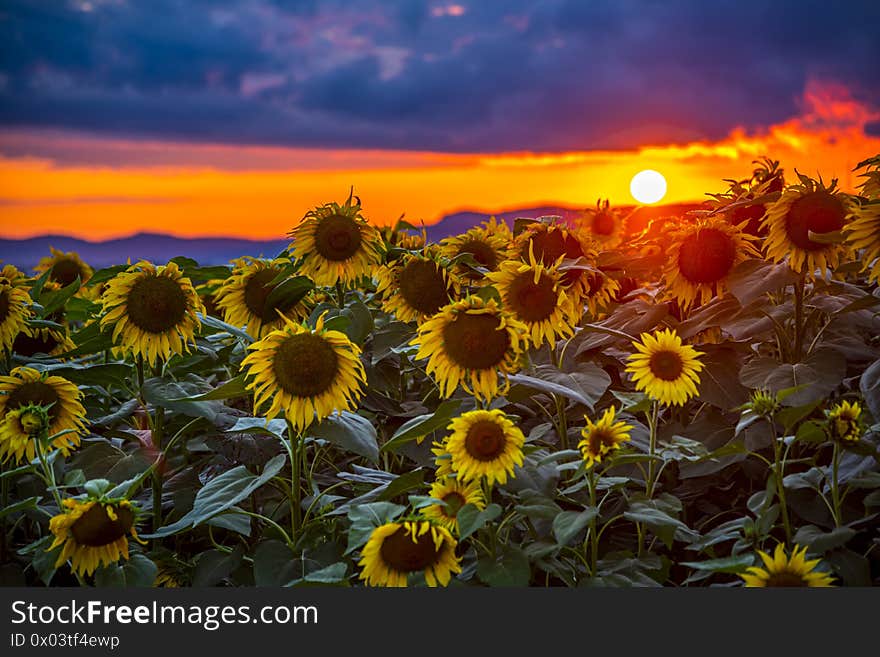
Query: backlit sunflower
x: 470, y: 342
x: 65, y: 267
x: 486, y: 244
x: 32, y: 341
x: 416, y: 286
x: 870, y: 186
x: 454, y: 494
x: 802, y: 209
x: 549, y: 243
x: 701, y: 256
x: 604, y: 224
x: 484, y: 444
x: 25, y: 388
x: 664, y: 368
x: 336, y: 243
x: 534, y: 294
x: 603, y: 437
x: 601, y: 293
x: 397, y: 549
x: 863, y: 232
x: 14, y: 306
x: 152, y: 311
x: 306, y: 374
x: 93, y: 532
x: 780, y: 570
x: 844, y: 423
x: 243, y: 298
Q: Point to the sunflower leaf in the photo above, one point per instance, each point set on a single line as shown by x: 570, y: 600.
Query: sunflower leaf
x: 470, y: 518
x: 421, y: 425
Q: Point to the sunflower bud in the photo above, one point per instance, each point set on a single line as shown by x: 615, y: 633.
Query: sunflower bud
x: 843, y: 422
x: 763, y: 403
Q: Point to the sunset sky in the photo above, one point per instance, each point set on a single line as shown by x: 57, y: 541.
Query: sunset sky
x: 236, y: 117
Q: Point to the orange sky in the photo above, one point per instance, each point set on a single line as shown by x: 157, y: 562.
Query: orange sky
x: 260, y: 192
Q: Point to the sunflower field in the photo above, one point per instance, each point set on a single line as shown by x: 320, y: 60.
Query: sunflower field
x: 556, y: 403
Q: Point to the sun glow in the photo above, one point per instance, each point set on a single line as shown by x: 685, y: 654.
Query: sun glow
x: 648, y: 186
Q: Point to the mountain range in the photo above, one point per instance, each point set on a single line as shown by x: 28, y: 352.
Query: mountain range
x: 158, y: 248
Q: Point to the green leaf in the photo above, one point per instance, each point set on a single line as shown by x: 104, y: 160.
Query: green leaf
x: 470, y: 518
x: 138, y: 571
x: 568, y: 524
x: 234, y: 387
x: 361, y: 321
x: 213, y: 566
x: 584, y: 387
x: 811, y: 432
x: 260, y: 425
x: 274, y: 564
x: 366, y: 517
x: 223, y: 327
x: 820, y: 541
x: 332, y: 574
x: 753, y: 278
x: 734, y: 564
x: 661, y: 523
x: 351, y: 432
x: 869, y: 385
x: 233, y: 521
x: 54, y: 301
x: 21, y: 505
x: 288, y: 293
x: 422, y: 425
x: 510, y: 569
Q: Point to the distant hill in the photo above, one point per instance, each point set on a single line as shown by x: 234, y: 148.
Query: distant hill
x: 26, y: 253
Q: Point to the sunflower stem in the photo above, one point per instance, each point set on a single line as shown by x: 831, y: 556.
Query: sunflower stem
x: 652, y: 448
x: 563, y: 423
x: 158, y: 428
x: 48, y: 471
x: 139, y: 365
x: 835, y: 484
x: 340, y: 294
x: 294, y: 440
x: 799, y: 317
x: 779, y: 474
x: 594, y: 537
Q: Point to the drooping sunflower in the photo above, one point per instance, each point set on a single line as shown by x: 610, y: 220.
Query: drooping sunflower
x: 604, y: 224
x: 152, y: 311
x: 470, y: 342
x: 484, y: 444
x: 780, y: 570
x: 15, y: 305
x: 552, y: 241
x: 844, y: 422
x: 454, y: 494
x: 397, y: 549
x: 534, y: 294
x: 487, y: 244
x: 802, y: 209
x: 32, y: 341
x: 336, y: 244
x: 603, y: 437
x: 244, y: 297
x: 306, y: 374
x: 863, y: 232
x: 601, y: 293
x: 93, y: 532
x: 870, y: 186
x: 701, y: 256
x: 65, y: 267
x: 26, y: 388
x: 664, y: 368
x: 416, y: 286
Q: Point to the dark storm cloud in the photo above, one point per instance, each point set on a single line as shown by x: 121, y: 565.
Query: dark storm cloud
x: 460, y: 75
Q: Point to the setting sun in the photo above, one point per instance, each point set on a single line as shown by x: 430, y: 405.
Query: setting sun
x: 648, y: 186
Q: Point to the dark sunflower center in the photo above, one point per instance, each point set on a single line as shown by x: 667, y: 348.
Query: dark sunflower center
x: 65, y: 271
x: 530, y: 301
x: 706, y: 256
x: 753, y: 214
x: 305, y: 365
x: 598, y: 438
x: 785, y: 578
x: 454, y: 502
x: 337, y: 237
x: 475, y: 341
x: 666, y: 365
x: 5, y: 306
x: 156, y: 304
x: 819, y: 212
x: 96, y: 528
x: 603, y: 224
x: 34, y: 392
x: 402, y: 554
x: 256, y: 294
x: 423, y: 287
x: 547, y: 245
x: 26, y: 345
x: 485, y: 440
x: 483, y: 253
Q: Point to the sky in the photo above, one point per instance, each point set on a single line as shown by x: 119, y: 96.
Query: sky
x: 235, y: 117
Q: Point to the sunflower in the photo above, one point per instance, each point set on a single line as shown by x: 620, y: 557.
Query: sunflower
x: 152, y: 311
x: 454, y: 494
x: 486, y: 244
x: 93, y: 532
x: 336, y: 243
x: 65, y: 267
x: 14, y: 306
x: 844, y: 422
x: 243, y: 297
x: 601, y: 292
x: 603, y: 437
x: 484, y: 444
x: 32, y: 341
x: 533, y: 293
x: 870, y: 186
x: 802, y: 209
x: 549, y: 243
x: 397, y: 549
x: 665, y: 368
x: 700, y: 258
x: 780, y: 570
x: 306, y: 374
x: 26, y: 388
x: 442, y: 459
x: 604, y: 224
x: 470, y: 342
x: 416, y: 286
x: 863, y: 232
